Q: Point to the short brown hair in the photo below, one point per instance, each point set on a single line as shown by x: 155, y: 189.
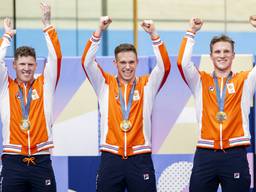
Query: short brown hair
x: 220, y: 38
x: 25, y: 51
x: 125, y: 47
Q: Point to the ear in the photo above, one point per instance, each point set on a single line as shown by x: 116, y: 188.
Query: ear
x: 211, y: 56
x: 14, y: 64
x: 234, y: 55
x: 115, y: 62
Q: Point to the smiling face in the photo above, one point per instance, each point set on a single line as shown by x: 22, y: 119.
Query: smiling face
x: 222, y: 56
x: 25, y: 64
x: 25, y: 68
x: 126, y: 63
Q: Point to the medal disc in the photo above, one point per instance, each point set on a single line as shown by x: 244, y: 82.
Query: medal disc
x: 125, y: 125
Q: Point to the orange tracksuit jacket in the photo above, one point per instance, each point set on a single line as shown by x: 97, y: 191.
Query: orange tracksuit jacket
x: 239, y: 93
x: 113, y: 139
x: 39, y: 139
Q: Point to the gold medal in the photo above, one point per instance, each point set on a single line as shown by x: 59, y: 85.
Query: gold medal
x: 25, y: 125
x: 125, y: 125
x: 221, y: 116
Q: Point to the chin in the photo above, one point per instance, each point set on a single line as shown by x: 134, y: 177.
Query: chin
x: 26, y: 80
x: 128, y: 78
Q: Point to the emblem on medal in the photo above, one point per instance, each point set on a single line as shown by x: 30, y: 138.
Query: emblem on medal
x: 221, y: 116
x: 25, y: 125
x: 125, y: 125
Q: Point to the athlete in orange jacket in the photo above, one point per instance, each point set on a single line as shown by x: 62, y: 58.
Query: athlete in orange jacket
x: 26, y: 112
x: 222, y: 101
x: 125, y: 104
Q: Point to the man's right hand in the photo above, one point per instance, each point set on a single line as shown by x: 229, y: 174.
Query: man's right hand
x: 195, y: 24
x: 103, y: 25
x: 8, y: 26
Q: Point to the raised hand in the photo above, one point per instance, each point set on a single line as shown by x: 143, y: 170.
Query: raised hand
x: 8, y: 26
x: 103, y: 25
x: 105, y: 22
x: 149, y: 27
x: 195, y: 24
x: 46, y: 13
x: 252, y: 20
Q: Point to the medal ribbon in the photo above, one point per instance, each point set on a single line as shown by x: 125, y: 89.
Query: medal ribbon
x: 126, y: 112
x: 220, y: 99
x: 25, y: 108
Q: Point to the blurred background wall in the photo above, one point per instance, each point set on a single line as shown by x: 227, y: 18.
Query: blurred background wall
x: 77, y: 19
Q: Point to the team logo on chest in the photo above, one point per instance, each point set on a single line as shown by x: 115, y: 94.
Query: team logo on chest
x: 136, y: 95
x: 211, y: 88
x: 18, y: 96
x: 231, y: 88
x: 34, y: 94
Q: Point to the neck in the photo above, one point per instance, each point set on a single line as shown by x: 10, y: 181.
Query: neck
x: 223, y: 73
x: 24, y: 82
x: 125, y: 82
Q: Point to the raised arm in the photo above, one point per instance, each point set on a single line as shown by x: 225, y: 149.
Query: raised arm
x: 187, y: 69
x: 252, y: 73
x: 5, y: 42
x: 93, y: 71
x: 161, y: 71
x: 53, y: 65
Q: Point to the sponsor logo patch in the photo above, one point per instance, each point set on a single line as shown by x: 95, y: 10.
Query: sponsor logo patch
x: 146, y: 176
x: 48, y: 182
x: 236, y: 175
